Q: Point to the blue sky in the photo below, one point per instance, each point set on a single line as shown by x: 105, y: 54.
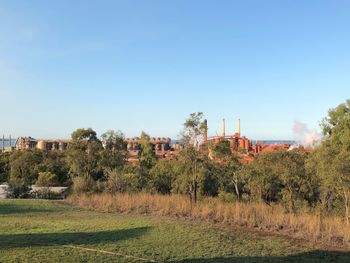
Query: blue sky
x: 146, y: 65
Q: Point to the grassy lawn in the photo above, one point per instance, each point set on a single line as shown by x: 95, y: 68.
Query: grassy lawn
x: 44, y: 231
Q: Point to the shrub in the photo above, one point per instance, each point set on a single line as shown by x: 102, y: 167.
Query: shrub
x: 227, y: 197
x: 84, y: 184
x: 47, y: 179
x: 17, y: 189
x: 161, y: 177
x: 115, y: 182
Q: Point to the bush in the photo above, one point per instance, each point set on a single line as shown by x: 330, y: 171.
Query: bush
x: 115, y: 182
x: 84, y: 184
x: 17, y: 189
x: 47, y: 179
x: 132, y: 182
x: 161, y: 177
x: 227, y: 197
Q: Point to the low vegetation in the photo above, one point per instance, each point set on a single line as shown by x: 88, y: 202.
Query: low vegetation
x: 39, y: 230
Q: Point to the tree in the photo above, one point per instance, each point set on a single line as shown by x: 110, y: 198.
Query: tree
x: 116, y: 182
x: 263, y: 182
x: 230, y: 176
x: 220, y: 150
x: 336, y: 145
x: 147, y: 159
x: 318, y: 167
x: 280, y: 176
x: 208, y: 178
x: 114, y: 153
x: 162, y: 175
x: 4, y: 167
x: 183, y: 165
x: 233, y: 170
x: 55, y: 162
x: 191, y: 138
x: 47, y: 179
x: 83, y: 154
x: 23, y: 165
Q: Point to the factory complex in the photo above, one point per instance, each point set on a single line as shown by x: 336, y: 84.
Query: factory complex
x: 164, y: 147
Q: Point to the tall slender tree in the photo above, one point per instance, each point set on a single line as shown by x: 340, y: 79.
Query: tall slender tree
x: 192, y: 135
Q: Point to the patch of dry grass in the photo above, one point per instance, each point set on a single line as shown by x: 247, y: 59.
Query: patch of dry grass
x: 258, y: 216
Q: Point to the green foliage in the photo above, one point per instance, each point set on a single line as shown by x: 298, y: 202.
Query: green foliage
x: 27, y: 165
x: 55, y: 163
x: 17, y: 188
x: 84, y: 135
x: 280, y: 176
x: 221, y: 149
x: 4, y: 167
x: 208, y: 182
x: 24, y: 165
x: 114, y: 153
x: 116, y: 182
x: 84, y: 184
x: 83, y: 154
x: 147, y: 159
x: 331, y: 160
x: 47, y: 179
x: 193, y: 129
x: 187, y: 160
x: 227, y: 197
x: 161, y: 177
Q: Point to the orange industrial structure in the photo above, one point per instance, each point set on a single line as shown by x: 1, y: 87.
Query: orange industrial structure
x: 241, y: 145
x: 236, y: 140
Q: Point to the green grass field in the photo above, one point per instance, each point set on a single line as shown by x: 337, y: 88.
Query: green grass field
x: 45, y: 231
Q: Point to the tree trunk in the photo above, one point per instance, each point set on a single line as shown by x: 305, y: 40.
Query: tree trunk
x: 346, y: 204
x: 237, y: 190
x: 195, y: 181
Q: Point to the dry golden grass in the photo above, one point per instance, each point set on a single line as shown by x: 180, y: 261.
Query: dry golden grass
x: 258, y: 216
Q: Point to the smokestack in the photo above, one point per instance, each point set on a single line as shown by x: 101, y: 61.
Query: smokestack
x: 10, y: 142
x: 223, y: 128
x: 3, y: 142
x: 205, y: 131
x: 239, y: 127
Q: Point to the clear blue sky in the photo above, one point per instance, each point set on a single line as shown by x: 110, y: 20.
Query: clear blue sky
x: 146, y: 65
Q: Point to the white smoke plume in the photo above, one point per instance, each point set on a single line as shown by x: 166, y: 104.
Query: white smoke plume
x: 304, y: 136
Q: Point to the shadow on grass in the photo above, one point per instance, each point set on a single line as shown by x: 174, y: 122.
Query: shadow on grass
x: 10, y: 209
x: 71, y: 238
x: 313, y: 256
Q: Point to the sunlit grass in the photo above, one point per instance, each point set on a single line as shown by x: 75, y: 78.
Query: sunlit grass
x: 44, y: 231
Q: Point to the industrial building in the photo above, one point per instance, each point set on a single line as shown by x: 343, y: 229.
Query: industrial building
x: 159, y: 144
x: 163, y: 147
x: 236, y: 140
x: 25, y: 143
x: 241, y: 145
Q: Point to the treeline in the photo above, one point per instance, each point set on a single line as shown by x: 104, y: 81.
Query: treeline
x: 301, y: 181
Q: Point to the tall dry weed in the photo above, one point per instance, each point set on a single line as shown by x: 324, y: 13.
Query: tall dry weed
x: 259, y: 216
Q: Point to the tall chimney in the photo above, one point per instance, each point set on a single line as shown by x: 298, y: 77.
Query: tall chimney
x: 205, y: 131
x: 223, y: 128
x: 10, y: 142
x: 239, y: 127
